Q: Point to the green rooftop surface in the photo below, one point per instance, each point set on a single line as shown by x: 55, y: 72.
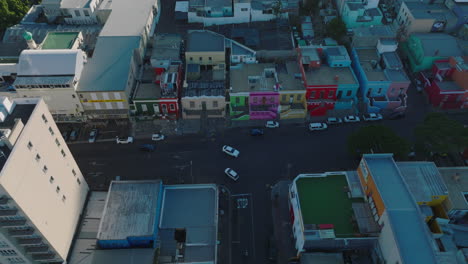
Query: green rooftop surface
x: 323, y: 200
x: 59, y: 40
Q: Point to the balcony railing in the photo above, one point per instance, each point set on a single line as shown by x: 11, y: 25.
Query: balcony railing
x: 45, y: 256
x: 30, y: 241
x: 21, y: 232
x: 8, y: 212
x: 37, y: 249
x: 12, y: 222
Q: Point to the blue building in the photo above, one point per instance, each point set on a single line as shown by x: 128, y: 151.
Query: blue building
x: 131, y: 215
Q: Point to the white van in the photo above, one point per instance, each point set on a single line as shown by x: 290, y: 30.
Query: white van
x: 317, y: 126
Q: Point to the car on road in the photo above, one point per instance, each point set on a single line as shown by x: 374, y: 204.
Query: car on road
x: 334, y: 120
x: 147, y: 147
x: 396, y: 115
x: 231, y: 151
x: 272, y: 124
x: 158, y: 137
x: 256, y: 132
x: 92, y: 136
x: 351, y: 119
x: 231, y: 174
x: 73, y: 135
x: 372, y: 117
x: 124, y: 140
x: 317, y: 126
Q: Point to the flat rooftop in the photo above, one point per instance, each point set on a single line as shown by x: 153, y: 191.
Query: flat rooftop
x: 323, y: 200
x: 204, y: 40
x: 130, y: 210
x: 369, y: 60
x: 59, y: 40
x: 423, y: 179
x: 411, y: 233
x: 240, y: 78
x: 166, y: 46
x: 456, y: 187
x: 198, y: 217
x: 432, y: 43
x: 289, y: 76
x: 450, y: 86
x: 326, y: 75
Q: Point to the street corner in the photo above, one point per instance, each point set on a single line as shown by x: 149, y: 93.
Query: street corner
x: 243, y: 246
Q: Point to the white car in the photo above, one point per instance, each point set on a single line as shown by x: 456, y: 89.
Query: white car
x: 334, y: 120
x: 351, y: 119
x: 157, y: 137
x: 272, y: 124
x: 231, y: 151
x: 372, y: 117
x: 317, y: 126
x: 123, y: 140
x: 92, y: 136
x: 231, y: 174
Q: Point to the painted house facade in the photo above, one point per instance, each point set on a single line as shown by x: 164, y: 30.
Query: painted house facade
x: 383, y: 81
x: 447, y: 84
x: 330, y: 86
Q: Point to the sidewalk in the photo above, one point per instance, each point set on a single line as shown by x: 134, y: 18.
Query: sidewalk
x: 281, y: 221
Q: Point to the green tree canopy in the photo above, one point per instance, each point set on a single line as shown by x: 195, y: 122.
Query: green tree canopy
x: 11, y: 12
x: 440, y: 134
x: 277, y: 8
x: 336, y: 29
x: 377, y: 139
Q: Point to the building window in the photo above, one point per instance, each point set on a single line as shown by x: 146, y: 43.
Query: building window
x: 209, y: 58
x: 192, y: 104
x: 64, y: 198
x: 200, y: 58
x: 74, y: 172
x: 244, y: 9
x: 78, y: 181
x: 44, y: 118
x: 312, y: 95
x: 465, y: 195
x: 172, y: 107
x: 330, y: 94
x: 191, y: 58
x: 44, y: 169
x: 348, y: 93
x: 63, y: 153
x: 57, y: 189
x: 215, y: 103
x: 51, y: 179
x: 299, y: 97
x: 8, y: 252
x: 81, y: 96
x: 237, y: 100
x: 379, y: 91
x: 57, y: 142
x: 74, y: 96
x: 30, y: 145
x: 38, y: 157
x: 3, y: 244
x: 51, y: 131
x: 77, y: 13
x: 85, y: 12
x: 15, y: 260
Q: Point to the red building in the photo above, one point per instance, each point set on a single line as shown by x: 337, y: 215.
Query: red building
x: 447, y: 84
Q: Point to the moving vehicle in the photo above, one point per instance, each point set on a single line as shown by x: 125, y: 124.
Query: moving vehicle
x: 123, y: 140
x: 256, y: 132
x: 147, y: 147
x: 92, y: 136
x: 231, y: 151
x: 231, y: 174
x: 272, y: 124
x: 317, y: 126
x: 334, y: 120
x: 372, y: 117
x: 158, y: 137
x: 351, y: 119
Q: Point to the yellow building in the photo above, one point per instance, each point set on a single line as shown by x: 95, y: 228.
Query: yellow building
x: 205, y: 48
x: 292, y: 92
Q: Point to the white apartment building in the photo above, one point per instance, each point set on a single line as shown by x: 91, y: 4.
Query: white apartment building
x: 42, y: 190
x: 53, y: 75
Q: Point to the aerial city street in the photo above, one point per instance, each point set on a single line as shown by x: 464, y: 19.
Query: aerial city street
x: 233, y: 132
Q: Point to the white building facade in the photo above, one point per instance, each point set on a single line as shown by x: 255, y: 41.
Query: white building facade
x: 42, y: 190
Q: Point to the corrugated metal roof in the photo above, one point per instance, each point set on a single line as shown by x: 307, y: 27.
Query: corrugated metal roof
x: 410, y: 231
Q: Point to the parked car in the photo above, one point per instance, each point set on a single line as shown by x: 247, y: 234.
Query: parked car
x: 419, y: 86
x: 231, y: 151
x: 317, y: 126
x: 256, y: 132
x: 372, y: 117
x: 92, y: 136
x: 158, y: 137
x: 351, y: 119
x: 65, y: 135
x: 396, y: 115
x: 147, y: 147
x: 272, y: 124
x: 231, y: 174
x: 334, y: 120
x: 74, y: 135
x: 124, y: 140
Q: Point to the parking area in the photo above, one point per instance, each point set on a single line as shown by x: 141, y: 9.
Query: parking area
x: 106, y: 131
